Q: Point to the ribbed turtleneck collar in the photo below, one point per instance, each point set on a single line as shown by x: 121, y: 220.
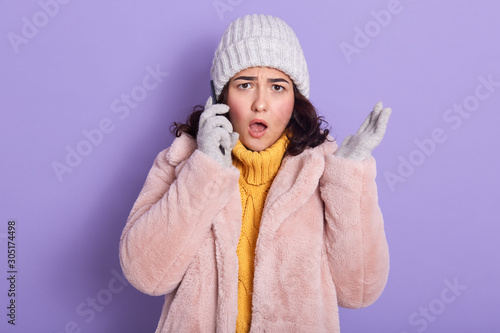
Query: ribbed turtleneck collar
x: 259, y: 167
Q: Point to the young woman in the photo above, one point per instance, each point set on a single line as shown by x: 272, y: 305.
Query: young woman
x: 253, y: 219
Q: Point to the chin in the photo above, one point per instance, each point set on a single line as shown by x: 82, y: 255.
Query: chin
x: 255, y: 146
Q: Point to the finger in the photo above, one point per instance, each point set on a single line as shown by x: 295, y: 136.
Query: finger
x: 374, y: 138
x: 365, y: 124
x: 225, y: 142
x: 378, y: 107
x: 372, y: 126
x: 203, y: 117
x: 376, y: 112
x: 234, y: 139
x: 220, y: 108
x: 382, y: 121
x: 221, y: 138
x: 218, y: 121
x: 346, y: 141
x: 211, y: 112
x: 205, y: 114
x: 209, y: 102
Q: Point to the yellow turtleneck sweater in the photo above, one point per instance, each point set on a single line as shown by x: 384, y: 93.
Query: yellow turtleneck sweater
x: 257, y: 171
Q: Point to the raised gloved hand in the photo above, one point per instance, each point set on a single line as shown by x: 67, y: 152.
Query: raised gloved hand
x: 215, y: 133
x: 359, y: 146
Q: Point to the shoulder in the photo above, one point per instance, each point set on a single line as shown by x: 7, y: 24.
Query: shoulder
x: 311, y: 161
x: 329, y: 146
x: 180, y: 150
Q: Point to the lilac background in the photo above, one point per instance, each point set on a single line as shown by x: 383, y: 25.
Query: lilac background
x: 440, y: 222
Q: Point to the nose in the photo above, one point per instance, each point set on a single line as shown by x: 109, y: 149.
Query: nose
x: 260, y: 103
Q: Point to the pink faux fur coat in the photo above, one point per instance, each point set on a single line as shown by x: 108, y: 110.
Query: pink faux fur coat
x: 321, y: 242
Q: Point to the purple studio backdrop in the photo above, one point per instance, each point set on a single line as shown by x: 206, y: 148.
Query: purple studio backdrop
x: 89, y: 90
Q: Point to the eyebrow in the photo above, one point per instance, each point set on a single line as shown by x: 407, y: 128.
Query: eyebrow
x: 253, y: 78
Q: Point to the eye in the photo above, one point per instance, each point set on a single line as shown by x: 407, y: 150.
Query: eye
x: 245, y: 85
x: 278, y: 88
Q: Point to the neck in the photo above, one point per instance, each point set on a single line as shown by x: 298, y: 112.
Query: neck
x: 259, y: 167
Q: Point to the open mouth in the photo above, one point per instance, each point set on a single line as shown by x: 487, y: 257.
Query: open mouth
x: 257, y: 128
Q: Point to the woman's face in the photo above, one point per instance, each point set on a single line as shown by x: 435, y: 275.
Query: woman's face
x: 261, y: 101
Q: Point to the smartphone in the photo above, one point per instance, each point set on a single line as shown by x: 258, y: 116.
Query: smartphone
x: 212, y: 89
x: 214, y: 101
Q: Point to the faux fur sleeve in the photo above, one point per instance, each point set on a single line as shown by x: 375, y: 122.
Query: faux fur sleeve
x: 171, y: 218
x: 356, y: 246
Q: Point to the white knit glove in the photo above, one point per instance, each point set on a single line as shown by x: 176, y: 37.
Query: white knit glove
x: 359, y: 146
x: 215, y: 133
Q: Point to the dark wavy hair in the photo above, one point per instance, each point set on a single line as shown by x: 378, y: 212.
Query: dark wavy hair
x: 305, y: 128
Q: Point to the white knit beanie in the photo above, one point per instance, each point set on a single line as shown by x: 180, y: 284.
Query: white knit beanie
x: 259, y: 40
